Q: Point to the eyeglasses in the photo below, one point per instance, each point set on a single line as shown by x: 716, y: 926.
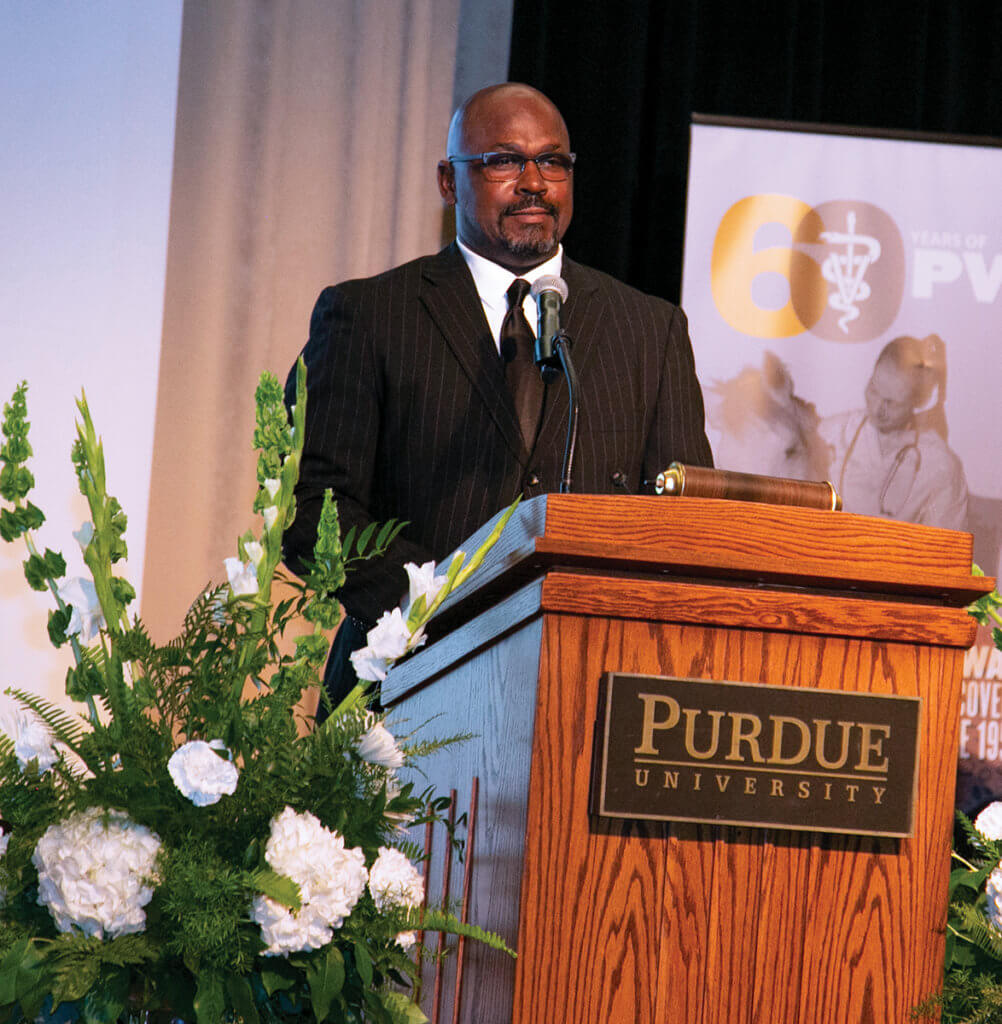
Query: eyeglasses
x: 511, y: 166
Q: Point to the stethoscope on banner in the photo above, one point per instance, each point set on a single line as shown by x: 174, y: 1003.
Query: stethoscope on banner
x: 903, y: 453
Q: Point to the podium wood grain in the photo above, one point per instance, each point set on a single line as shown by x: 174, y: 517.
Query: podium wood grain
x: 624, y: 922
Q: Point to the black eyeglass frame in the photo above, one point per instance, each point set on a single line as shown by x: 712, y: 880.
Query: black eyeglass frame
x: 482, y: 159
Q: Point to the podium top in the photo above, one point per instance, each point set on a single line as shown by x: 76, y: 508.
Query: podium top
x: 741, y: 542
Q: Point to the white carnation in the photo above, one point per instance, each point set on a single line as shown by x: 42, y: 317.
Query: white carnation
x: 993, y: 890
x: 989, y: 821
x: 4, y: 840
x: 394, y: 881
x: 377, y: 746
x: 32, y: 740
x: 330, y: 877
x: 86, y: 618
x: 96, y: 871
x: 201, y: 774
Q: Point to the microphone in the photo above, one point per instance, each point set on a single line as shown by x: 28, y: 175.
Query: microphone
x: 550, y: 293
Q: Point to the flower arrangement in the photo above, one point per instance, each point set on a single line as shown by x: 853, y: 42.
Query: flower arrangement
x: 972, y: 985
x: 182, y: 845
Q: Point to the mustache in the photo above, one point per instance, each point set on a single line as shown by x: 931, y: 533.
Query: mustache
x: 530, y: 203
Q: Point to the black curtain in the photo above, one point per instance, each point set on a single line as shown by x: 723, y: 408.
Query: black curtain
x: 628, y: 74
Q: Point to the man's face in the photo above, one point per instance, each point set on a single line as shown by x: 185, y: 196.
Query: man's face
x: 889, y: 398
x: 519, y: 223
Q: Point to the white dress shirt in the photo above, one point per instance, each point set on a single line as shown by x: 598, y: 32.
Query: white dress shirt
x: 493, y: 282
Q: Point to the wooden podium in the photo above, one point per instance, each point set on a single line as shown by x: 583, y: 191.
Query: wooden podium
x: 630, y: 922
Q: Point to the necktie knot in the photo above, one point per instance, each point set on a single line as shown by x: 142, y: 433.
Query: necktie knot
x: 517, y: 292
x: 518, y: 353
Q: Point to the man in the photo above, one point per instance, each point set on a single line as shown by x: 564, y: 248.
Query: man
x: 412, y: 408
x: 887, y: 460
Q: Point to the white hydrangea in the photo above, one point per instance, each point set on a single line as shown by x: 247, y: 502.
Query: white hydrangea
x: 32, y: 738
x: 201, y: 774
x: 96, y: 874
x: 993, y: 890
x: 377, y: 745
x: 395, y: 882
x: 989, y: 821
x: 331, y: 878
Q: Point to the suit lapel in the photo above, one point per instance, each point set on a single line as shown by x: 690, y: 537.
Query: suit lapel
x: 450, y: 296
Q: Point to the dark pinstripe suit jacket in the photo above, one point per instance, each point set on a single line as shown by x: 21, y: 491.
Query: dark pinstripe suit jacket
x: 409, y: 415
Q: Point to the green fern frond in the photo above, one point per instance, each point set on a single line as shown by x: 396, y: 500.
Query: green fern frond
x: 65, y: 728
x: 424, y: 748
x: 440, y: 921
x: 977, y: 929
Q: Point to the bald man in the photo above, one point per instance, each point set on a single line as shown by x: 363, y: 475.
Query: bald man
x: 418, y: 407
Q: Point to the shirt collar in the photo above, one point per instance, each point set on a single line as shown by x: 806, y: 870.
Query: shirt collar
x: 493, y: 281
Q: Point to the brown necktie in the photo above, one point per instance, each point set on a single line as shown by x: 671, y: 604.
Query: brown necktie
x: 517, y: 351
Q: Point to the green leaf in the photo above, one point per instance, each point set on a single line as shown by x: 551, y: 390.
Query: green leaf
x: 376, y: 1012
x: 35, y: 574
x: 123, y: 590
x: 78, y: 983
x: 278, y: 976
x: 401, y: 1009
x: 965, y: 878
x: 364, y: 537
x: 363, y: 963
x: 31, y: 516
x: 10, y: 525
x: 18, y: 971
x: 325, y: 976
x: 280, y: 888
x: 104, y: 1003
x: 83, y: 682
x: 145, y: 691
x: 58, y: 621
x: 241, y: 997
x: 210, y: 1002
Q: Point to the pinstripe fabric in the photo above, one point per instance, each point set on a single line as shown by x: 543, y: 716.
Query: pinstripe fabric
x: 409, y: 415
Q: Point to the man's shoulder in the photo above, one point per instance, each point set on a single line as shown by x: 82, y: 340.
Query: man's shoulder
x: 447, y: 259
x: 602, y: 282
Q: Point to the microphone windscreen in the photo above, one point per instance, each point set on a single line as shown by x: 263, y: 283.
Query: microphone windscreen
x: 550, y: 283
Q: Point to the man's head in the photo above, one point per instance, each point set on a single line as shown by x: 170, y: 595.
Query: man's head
x: 904, y: 380
x: 517, y: 223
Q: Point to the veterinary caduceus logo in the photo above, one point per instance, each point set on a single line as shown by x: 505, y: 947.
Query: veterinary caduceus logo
x: 843, y: 262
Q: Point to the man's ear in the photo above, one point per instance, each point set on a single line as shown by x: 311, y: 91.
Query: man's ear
x: 447, y: 182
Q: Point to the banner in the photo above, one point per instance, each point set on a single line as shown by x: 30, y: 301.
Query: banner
x: 843, y: 296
